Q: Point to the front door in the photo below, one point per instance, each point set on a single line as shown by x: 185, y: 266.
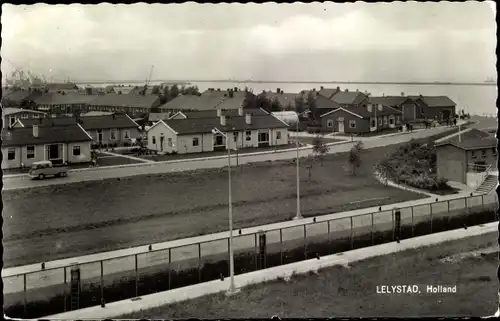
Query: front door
x: 263, y: 139
x: 162, y: 140
x: 341, y: 126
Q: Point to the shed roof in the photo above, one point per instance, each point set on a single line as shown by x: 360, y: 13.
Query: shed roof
x: 46, y: 135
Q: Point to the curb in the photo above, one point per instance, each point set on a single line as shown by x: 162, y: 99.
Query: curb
x: 120, y: 308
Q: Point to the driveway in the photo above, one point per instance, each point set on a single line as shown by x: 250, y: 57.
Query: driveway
x: 20, y: 182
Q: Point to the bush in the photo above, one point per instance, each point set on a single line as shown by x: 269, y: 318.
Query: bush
x: 173, y: 153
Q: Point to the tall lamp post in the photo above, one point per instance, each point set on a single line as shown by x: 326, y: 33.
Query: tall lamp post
x: 298, y: 215
x: 232, y: 288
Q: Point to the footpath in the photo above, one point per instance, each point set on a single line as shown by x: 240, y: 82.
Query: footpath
x: 120, y: 308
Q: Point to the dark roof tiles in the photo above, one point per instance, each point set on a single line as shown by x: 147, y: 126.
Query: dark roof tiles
x: 46, y: 135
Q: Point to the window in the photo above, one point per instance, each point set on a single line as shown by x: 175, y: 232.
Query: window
x: 24, y: 116
x: 391, y: 121
x: 374, y: 122
x: 30, y: 152
x: 154, y: 140
x: 421, y: 110
x: 380, y: 121
x: 195, y: 141
x: 474, y: 154
x: 112, y: 134
x: 329, y: 123
x: 352, y: 124
x: 36, y: 115
x: 126, y: 134
x: 248, y: 135
x: 11, y: 154
x: 169, y: 142
x: 278, y: 135
x: 494, y: 151
x: 76, y: 150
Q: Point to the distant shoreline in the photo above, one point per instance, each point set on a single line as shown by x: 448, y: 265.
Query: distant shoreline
x: 297, y: 82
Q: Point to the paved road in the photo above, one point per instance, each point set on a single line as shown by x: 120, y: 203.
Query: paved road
x: 187, y: 249
x: 21, y: 182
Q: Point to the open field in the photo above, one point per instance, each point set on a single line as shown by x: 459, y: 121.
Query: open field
x: 82, y: 218
x: 340, y: 292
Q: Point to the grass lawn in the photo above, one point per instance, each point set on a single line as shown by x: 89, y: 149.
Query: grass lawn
x: 309, y: 140
x: 340, y: 292
x: 81, y: 218
x: 103, y: 161
x: 161, y: 158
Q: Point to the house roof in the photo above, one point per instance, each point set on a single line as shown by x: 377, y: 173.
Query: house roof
x: 348, y: 97
x: 229, y: 113
x: 87, y: 122
x: 116, y: 100
x: 46, y: 135
x: 11, y: 110
x: 205, y: 125
x: 324, y: 103
x: 154, y: 117
x: 192, y: 102
x: 392, y: 101
x: 232, y: 103
x: 71, y: 98
x: 362, y: 111
x: 283, y: 98
x: 328, y: 93
x: 473, y: 143
x: 18, y: 96
x: 435, y: 101
x: 61, y: 86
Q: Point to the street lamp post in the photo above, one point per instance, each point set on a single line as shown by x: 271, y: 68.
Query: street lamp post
x: 298, y: 215
x: 232, y: 288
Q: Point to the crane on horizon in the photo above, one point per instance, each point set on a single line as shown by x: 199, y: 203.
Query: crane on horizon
x: 148, y: 80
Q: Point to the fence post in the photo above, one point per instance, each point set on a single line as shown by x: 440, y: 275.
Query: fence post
x: 281, y: 247
x: 430, y: 209
x: 371, y: 230
x: 448, y: 201
x: 412, y: 223
x: 136, y: 277
x: 352, y: 235
x: 482, y: 202
x: 24, y: 296
x: 169, y: 268
x: 305, y: 243
x: 228, y: 257
x: 102, y: 281
x: 256, y: 254
x: 65, y: 285
x: 199, y: 262
x: 393, y: 225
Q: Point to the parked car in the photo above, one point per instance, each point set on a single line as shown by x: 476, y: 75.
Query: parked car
x: 44, y: 169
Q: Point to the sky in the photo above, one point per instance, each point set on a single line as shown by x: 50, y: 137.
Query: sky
x: 411, y: 41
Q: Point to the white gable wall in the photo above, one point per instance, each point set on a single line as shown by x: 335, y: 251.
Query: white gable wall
x: 154, y: 139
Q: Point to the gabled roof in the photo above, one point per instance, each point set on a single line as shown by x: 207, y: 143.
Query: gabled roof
x: 11, y: 110
x: 71, y: 98
x: 87, y: 122
x: 348, y: 97
x: 328, y: 93
x: 46, y: 135
x: 324, y: 103
x: 362, y: 111
x: 61, y: 86
x: 473, y: 143
x: 154, y: 117
x: 205, y: 125
x: 435, y: 101
x: 192, y: 102
x: 234, y: 102
x: 392, y: 101
x: 116, y: 100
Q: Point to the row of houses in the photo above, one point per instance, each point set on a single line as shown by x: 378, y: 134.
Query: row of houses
x: 212, y: 130
x: 64, y: 139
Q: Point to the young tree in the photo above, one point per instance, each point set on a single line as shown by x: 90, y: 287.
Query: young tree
x: 320, y: 149
x: 311, y: 103
x: 263, y: 102
x: 174, y: 91
x: 354, y: 157
x: 299, y: 104
x: 275, y: 104
x: 250, y: 100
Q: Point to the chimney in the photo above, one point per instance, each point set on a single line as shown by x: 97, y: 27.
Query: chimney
x: 369, y: 108
x: 223, y: 120
x: 248, y: 119
x: 278, y: 90
x: 35, y: 130
x: 402, y: 94
x: 321, y: 87
x: 338, y: 88
x: 383, y: 94
x: 380, y: 108
x: 219, y: 112
x: 346, y: 90
x: 240, y: 111
x: 357, y: 90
